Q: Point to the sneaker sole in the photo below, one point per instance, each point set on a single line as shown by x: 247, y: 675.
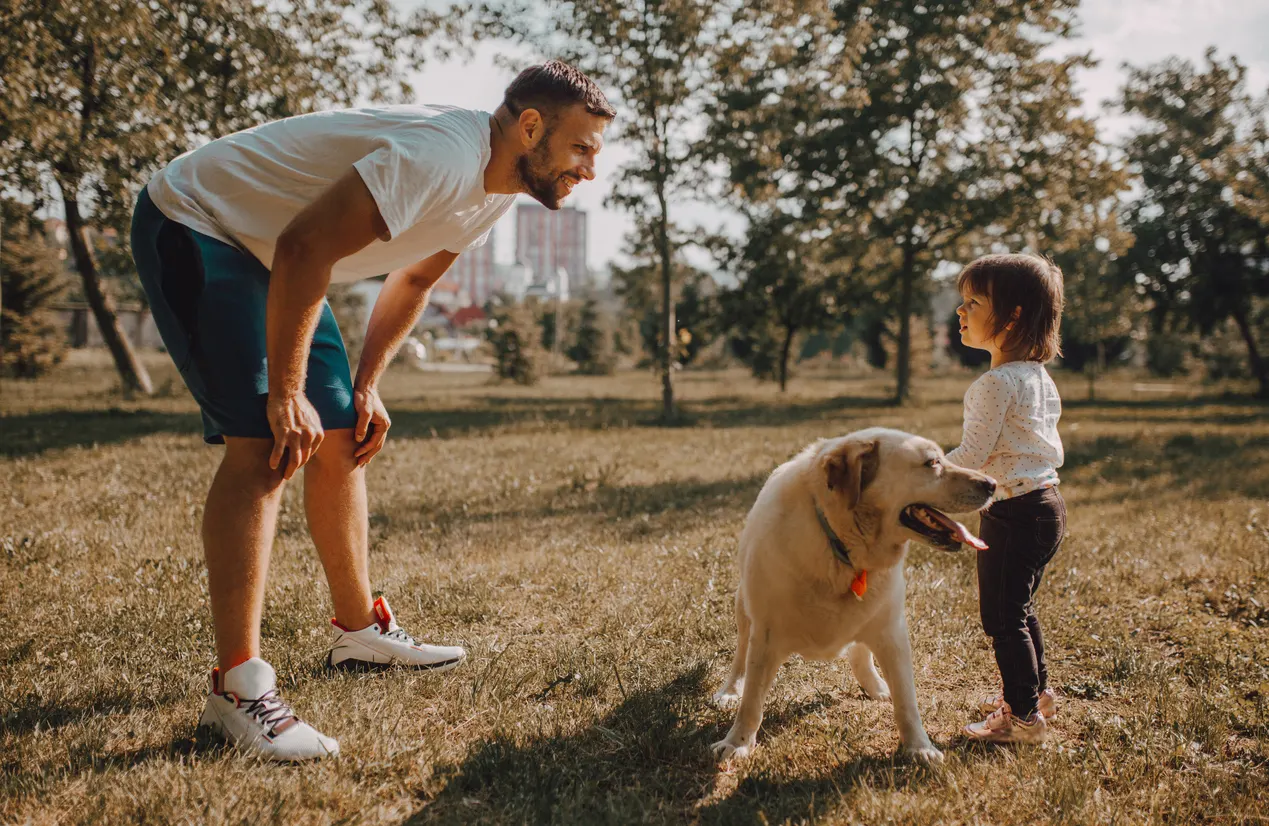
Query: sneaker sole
x: 214, y: 734
x: 369, y: 666
x: 983, y: 708
x: 1000, y: 740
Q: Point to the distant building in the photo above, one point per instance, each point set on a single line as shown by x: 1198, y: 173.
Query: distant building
x: 475, y: 272
x: 513, y: 280
x: 549, y: 239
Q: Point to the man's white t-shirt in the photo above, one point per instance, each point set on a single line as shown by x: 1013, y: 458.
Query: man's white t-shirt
x: 424, y: 166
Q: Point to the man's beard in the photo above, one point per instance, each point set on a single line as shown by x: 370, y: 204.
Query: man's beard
x: 539, y: 180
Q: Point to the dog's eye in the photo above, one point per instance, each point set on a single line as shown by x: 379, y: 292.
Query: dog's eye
x: 932, y: 463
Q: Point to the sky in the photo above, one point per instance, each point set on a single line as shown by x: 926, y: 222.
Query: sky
x: 1137, y: 32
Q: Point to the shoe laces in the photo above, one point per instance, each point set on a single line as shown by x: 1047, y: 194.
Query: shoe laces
x: 1000, y: 717
x: 271, y: 711
x: 399, y: 634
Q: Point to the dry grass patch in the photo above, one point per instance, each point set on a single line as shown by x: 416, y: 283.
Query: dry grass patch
x: 586, y: 558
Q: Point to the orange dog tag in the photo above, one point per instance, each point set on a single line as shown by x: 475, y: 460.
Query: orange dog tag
x: 860, y: 585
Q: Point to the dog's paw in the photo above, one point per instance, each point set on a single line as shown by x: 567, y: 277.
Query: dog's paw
x: 926, y: 754
x: 878, y: 691
x: 725, y: 750
x: 727, y: 696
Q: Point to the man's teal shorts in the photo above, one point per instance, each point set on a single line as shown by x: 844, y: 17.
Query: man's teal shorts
x: 208, y: 302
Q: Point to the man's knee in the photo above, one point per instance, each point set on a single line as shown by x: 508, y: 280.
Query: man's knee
x: 247, y: 463
x: 336, y: 453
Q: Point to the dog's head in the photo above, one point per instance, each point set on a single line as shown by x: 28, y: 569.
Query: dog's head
x: 897, y: 482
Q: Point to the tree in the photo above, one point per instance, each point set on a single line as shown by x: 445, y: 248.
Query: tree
x: 784, y: 288
x: 31, y: 279
x: 100, y: 94
x: 592, y: 347
x: 652, y: 57
x: 518, y: 354
x: 1202, y: 221
x: 694, y: 304
x: 908, y: 125
x: 1074, y: 216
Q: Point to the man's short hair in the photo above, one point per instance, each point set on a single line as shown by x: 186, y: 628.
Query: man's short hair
x: 552, y: 86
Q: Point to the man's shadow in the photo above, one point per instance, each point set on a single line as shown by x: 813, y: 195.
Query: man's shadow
x: 647, y: 760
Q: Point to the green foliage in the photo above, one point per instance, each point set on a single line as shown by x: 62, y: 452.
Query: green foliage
x: 95, y: 96
x: 1202, y: 221
x: 592, y: 348
x: 518, y: 354
x: 696, y: 311
x: 784, y: 287
x: 653, y: 61
x: 1168, y: 354
x: 31, y: 280
x: 900, y: 129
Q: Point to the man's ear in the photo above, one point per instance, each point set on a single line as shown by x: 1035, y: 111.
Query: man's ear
x: 532, y: 127
x: 850, y: 468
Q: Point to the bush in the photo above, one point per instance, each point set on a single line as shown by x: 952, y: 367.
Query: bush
x: 1224, y: 354
x: 1168, y: 354
x: 518, y: 354
x: 593, y: 348
x: 351, y: 314
x: 31, y: 280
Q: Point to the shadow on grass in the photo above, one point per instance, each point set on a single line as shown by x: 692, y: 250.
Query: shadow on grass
x: 648, y: 760
x: 34, y: 433
x: 30, y: 713
x: 1211, y: 466
x: 507, y: 412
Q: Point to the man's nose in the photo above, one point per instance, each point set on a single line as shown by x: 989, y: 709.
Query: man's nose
x: 586, y: 172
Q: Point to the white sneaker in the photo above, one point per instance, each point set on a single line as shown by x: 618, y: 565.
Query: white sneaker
x: 1002, y: 726
x: 384, y: 644
x: 245, y: 709
x: 1046, y: 704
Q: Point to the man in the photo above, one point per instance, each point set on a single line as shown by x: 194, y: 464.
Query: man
x: 236, y: 244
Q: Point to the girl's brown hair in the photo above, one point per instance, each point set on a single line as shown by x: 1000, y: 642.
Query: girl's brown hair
x: 1030, y: 284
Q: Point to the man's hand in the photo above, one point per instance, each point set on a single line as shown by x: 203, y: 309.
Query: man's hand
x: 297, y: 431
x: 370, y: 411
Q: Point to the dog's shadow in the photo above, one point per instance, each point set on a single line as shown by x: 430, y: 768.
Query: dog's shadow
x: 647, y: 759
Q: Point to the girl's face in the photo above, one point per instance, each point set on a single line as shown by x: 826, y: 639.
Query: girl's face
x: 975, y: 317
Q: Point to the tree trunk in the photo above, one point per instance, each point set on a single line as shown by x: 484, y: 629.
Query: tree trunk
x: 1095, y: 366
x: 903, y: 354
x: 1258, y: 367
x: 784, y: 358
x: 131, y: 370
x: 667, y: 310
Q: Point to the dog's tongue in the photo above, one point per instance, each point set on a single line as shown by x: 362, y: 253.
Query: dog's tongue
x: 967, y: 538
x: 959, y: 531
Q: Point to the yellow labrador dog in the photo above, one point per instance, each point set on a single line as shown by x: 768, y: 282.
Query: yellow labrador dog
x: 821, y: 569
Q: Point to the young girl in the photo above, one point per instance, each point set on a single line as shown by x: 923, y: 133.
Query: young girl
x: 1012, y: 308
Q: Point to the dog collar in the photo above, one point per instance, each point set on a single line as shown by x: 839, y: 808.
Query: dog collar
x: 859, y: 585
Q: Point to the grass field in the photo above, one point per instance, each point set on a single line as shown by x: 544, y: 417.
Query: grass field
x: 586, y: 559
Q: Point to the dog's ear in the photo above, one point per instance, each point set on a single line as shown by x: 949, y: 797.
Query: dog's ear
x: 850, y: 468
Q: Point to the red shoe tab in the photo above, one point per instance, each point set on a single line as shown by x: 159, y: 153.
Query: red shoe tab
x: 859, y: 586
x: 383, y: 614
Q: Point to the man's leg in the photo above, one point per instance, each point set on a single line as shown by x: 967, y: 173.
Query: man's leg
x: 238, y: 526
x: 368, y: 636
x: 335, y: 501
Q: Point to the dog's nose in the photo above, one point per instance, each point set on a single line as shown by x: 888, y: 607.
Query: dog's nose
x: 988, y: 486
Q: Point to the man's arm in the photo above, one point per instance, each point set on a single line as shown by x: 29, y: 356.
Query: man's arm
x: 400, y: 303
x: 342, y: 220
x: 398, y: 307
